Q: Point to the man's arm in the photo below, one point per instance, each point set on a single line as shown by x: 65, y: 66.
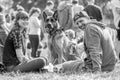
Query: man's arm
x: 93, y: 44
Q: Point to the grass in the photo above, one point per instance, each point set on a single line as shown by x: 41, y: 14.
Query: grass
x: 115, y: 75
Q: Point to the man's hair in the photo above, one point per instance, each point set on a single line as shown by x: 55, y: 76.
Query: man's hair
x: 33, y: 10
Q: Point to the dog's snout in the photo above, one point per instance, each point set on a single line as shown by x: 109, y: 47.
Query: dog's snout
x: 49, y: 25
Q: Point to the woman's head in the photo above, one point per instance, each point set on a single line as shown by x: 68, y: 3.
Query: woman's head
x: 22, y: 18
x: 35, y: 11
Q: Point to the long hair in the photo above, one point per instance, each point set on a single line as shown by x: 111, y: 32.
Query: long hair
x: 21, y: 15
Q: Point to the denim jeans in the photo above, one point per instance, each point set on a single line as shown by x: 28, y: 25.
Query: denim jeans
x: 34, y: 40
x: 29, y: 66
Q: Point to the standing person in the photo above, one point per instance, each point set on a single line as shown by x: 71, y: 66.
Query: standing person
x: 49, y: 8
x: 3, y: 31
x: 3, y: 35
x: 76, y: 8
x: 114, y: 6
x: 34, y: 29
x: 14, y: 49
x: 65, y: 14
x: 99, y: 47
x: 93, y: 10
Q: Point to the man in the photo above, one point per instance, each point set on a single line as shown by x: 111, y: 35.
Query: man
x: 99, y: 47
x: 93, y: 10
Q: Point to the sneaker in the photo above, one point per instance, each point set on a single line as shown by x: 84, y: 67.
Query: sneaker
x: 49, y: 67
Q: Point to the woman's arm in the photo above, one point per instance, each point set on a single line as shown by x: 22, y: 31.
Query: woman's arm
x: 36, y: 22
x: 21, y: 57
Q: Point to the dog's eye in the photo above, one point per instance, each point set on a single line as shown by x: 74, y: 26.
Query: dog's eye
x: 47, y: 20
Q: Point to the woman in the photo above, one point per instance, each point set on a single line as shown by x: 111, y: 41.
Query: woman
x: 34, y: 30
x: 15, y: 48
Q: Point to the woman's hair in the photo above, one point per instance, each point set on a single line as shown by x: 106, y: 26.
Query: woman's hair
x: 33, y: 10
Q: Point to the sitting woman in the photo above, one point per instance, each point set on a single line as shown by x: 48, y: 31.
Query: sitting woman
x: 15, y: 48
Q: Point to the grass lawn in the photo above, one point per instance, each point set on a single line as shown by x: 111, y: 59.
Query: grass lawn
x: 115, y: 75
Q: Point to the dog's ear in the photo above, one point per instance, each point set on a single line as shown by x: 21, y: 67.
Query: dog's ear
x: 44, y: 16
x: 55, y: 15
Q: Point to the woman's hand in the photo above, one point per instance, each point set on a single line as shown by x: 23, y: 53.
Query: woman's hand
x: 25, y: 59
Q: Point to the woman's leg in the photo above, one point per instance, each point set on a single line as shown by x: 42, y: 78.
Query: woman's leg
x: 33, y: 65
x: 34, y: 40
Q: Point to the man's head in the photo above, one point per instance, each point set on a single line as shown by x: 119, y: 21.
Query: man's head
x: 81, y: 19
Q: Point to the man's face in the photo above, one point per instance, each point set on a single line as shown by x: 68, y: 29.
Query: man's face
x: 81, y: 23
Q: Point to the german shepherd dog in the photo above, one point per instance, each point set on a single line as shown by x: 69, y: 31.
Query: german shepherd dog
x: 55, y: 39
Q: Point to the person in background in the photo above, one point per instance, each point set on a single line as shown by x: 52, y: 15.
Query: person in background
x: 65, y: 14
x: 14, y: 57
x: 34, y: 30
x: 8, y: 21
x: 76, y: 8
x: 3, y: 35
x: 4, y: 21
x: 114, y: 5
x: 49, y: 8
x: 94, y: 11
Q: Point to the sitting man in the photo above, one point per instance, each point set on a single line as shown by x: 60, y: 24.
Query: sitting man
x: 99, y: 48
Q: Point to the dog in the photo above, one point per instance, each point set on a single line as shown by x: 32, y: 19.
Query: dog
x: 55, y: 37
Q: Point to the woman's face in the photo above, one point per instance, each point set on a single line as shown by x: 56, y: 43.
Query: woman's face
x: 23, y: 22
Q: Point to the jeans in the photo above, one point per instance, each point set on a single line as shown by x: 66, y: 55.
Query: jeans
x: 34, y: 40
x: 32, y: 65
